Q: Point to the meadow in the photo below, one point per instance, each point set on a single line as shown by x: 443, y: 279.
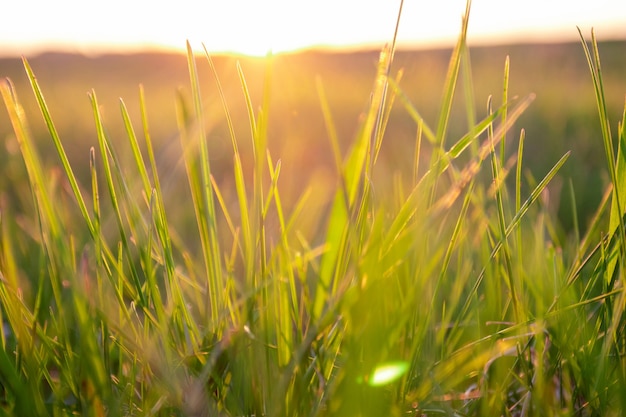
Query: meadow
x: 433, y: 232
x: 563, y: 117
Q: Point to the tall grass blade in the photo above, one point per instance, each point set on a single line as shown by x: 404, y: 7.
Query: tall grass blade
x: 382, y: 116
x: 616, y: 166
x: 106, y: 153
x: 202, y: 190
x: 514, y: 222
x: 412, y: 111
x: 452, y: 78
x: 159, y: 215
x: 58, y: 145
x: 496, y: 162
x: 249, y: 250
x: 54, y: 253
x: 351, y: 202
x: 505, y: 99
x: 332, y: 132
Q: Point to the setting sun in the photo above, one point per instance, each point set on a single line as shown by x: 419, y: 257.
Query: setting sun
x: 257, y: 27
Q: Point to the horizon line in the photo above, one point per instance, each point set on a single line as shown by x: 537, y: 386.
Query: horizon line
x: 17, y: 51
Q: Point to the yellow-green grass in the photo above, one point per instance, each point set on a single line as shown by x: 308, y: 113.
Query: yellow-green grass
x: 562, y: 118
x: 208, y: 273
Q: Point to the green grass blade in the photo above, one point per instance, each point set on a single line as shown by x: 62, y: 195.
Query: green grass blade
x: 359, y: 160
x: 105, y: 151
x: 334, y: 261
x: 159, y: 214
x: 616, y: 166
x: 27, y: 403
x: 31, y: 158
x: 244, y: 209
x: 505, y: 99
x: 54, y: 253
x: 468, y: 87
x: 249, y: 251
x: 346, y: 205
x: 496, y: 168
x: 472, y: 169
x: 383, y: 110
x: 448, y: 95
x: 451, y: 79
x: 412, y: 111
x: 15, y: 314
x: 331, y: 130
x: 202, y: 189
x: 58, y: 145
x: 514, y: 223
x: 249, y: 106
x: 134, y: 145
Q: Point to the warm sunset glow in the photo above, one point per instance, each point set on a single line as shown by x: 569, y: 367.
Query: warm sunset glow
x: 256, y: 27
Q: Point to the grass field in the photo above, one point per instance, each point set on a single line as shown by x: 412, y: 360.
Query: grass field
x: 370, y: 234
x: 562, y: 118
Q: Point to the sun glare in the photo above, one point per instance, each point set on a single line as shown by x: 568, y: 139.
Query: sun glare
x: 259, y: 31
x: 279, y: 26
x: 256, y: 27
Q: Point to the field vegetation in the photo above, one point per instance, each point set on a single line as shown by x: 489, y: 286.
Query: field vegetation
x: 315, y: 234
x: 562, y: 118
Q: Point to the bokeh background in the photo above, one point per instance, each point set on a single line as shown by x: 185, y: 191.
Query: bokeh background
x: 76, y: 47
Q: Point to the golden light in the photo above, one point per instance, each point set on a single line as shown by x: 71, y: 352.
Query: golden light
x: 255, y: 32
x: 254, y: 27
x: 283, y: 26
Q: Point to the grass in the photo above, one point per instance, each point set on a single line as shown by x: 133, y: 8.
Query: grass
x: 441, y: 290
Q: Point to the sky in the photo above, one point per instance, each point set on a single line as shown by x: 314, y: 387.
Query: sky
x: 255, y: 27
